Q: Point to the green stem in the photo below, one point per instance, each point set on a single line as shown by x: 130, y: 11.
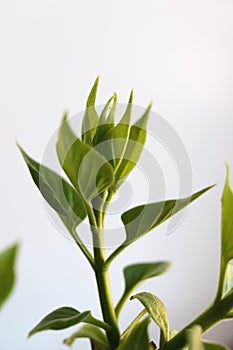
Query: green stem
x: 102, y: 278
x: 215, y: 313
x: 106, y: 203
x: 123, y: 299
x: 82, y: 246
x: 222, y: 275
x: 107, y: 307
x: 115, y: 254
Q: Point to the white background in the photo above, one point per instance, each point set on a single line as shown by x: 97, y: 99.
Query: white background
x: 178, y: 53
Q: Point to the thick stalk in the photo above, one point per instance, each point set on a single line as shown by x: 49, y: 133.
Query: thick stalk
x: 102, y: 280
x: 215, y: 313
x: 106, y: 303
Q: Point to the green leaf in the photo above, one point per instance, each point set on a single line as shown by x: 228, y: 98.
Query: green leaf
x: 57, y: 192
x: 142, y: 219
x: 228, y: 284
x: 113, y: 143
x: 88, y: 170
x: 65, y: 317
x: 137, y: 338
x: 157, y: 311
x: 7, y: 273
x: 195, y: 342
x: 90, y: 119
x: 91, y: 332
x: 227, y: 231
x: 66, y: 138
x: 135, y: 144
x: 105, y: 122
x: 227, y: 220
x: 135, y: 274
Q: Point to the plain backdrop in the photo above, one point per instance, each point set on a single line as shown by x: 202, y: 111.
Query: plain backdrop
x: 178, y: 53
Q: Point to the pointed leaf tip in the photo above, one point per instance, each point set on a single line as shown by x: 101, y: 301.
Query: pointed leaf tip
x: 131, y: 96
x: 66, y: 317
x: 64, y: 117
x: 228, y: 173
x: 92, y: 95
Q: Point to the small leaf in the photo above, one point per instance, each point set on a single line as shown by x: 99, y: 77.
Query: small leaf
x: 90, y: 119
x: 91, y: 332
x: 7, y: 273
x: 57, y: 192
x: 65, y: 317
x: 112, y: 144
x: 227, y: 220
x: 227, y: 230
x: 157, y: 311
x: 135, y: 274
x: 228, y: 285
x: 142, y: 219
x: 88, y: 170
x: 105, y: 122
x: 135, y: 144
x: 137, y: 338
x: 66, y: 138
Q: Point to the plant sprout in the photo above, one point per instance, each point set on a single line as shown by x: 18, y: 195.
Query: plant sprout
x: 96, y: 163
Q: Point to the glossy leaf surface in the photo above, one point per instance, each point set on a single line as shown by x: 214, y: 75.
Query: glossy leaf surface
x: 65, y: 317
x: 7, y: 272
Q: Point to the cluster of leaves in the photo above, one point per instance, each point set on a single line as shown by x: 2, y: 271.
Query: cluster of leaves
x: 96, y: 164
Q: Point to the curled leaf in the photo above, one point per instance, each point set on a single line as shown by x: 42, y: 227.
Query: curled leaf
x: 157, y: 311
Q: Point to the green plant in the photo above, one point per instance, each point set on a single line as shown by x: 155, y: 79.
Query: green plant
x: 109, y: 152
x: 7, y: 272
